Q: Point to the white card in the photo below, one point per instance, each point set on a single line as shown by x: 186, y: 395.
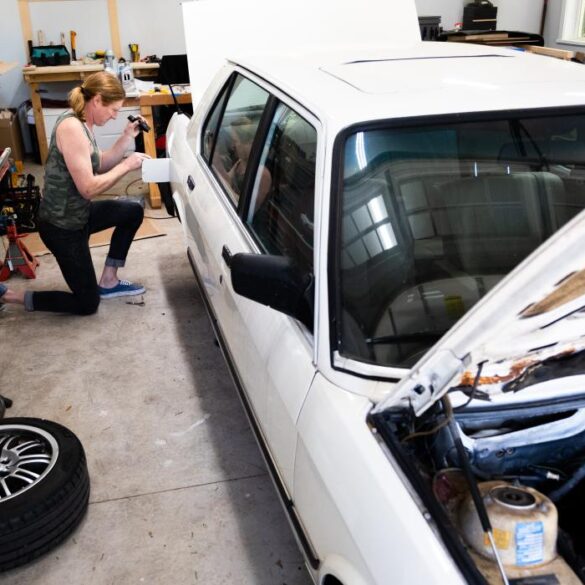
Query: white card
x: 156, y: 170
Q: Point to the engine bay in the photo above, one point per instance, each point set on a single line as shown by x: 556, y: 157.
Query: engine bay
x: 523, y: 465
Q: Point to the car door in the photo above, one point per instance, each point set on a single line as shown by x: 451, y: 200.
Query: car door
x: 258, y: 197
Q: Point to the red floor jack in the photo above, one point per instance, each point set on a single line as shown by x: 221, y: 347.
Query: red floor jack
x: 17, y: 255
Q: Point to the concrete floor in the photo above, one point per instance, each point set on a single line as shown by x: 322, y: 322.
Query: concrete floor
x: 179, y: 491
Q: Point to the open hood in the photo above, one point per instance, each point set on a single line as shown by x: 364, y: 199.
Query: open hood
x: 217, y: 30
x: 516, y: 343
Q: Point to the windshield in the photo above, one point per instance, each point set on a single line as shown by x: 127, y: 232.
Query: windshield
x: 432, y: 217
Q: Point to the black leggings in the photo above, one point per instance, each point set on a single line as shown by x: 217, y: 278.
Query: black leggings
x: 71, y: 250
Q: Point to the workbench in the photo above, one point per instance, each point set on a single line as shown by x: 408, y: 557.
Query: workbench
x: 36, y: 76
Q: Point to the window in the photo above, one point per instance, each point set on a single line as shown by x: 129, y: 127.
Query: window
x: 281, y: 208
x: 573, y: 22
x: 433, y: 216
x: 212, y: 125
x: 236, y: 134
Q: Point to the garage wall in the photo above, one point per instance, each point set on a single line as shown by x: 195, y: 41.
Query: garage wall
x: 156, y: 25
x: 13, y: 90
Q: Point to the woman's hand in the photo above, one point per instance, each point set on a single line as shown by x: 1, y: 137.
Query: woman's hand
x: 132, y: 130
x: 135, y: 160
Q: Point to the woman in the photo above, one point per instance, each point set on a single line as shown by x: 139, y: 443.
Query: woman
x: 75, y: 172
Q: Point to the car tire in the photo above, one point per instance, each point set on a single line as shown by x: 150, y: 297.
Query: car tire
x: 44, y: 488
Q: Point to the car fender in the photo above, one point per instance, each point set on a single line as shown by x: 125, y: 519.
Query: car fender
x: 180, y: 207
x: 336, y: 566
x: 354, y: 501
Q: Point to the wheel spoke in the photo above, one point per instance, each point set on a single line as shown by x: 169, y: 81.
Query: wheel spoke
x: 38, y: 458
x: 5, y: 488
x: 18, y: 475
x: 26, y: 472
x: 9, y: 440
x: 26, y: 446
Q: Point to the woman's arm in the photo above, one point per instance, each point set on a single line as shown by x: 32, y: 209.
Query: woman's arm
x: 112, y: 156
x: 76, y: 149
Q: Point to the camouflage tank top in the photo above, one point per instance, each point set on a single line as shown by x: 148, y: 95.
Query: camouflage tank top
x: 62, y: 204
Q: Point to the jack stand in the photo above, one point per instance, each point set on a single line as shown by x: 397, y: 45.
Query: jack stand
x: 17, y: 256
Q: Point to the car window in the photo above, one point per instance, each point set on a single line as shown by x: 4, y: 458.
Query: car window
x: 433, y: 217
x: 236, y: 134
x: 283, y: 198
x: 212, y: 125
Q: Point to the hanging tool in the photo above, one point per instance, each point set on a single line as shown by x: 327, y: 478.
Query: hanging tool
x: 73, y: 39
x: 63, y: 38
x: 134, y: 52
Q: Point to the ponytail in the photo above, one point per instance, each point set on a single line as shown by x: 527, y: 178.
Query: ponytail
x: 77, y: 102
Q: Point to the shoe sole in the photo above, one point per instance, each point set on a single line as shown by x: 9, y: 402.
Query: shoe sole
x: 124, y: 293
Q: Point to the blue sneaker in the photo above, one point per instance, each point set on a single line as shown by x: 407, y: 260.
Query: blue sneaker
x: 3, y: 290
x: 122, y: 289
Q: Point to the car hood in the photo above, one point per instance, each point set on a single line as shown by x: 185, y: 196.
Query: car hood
x: 217, y: 30
x: 515, y: 344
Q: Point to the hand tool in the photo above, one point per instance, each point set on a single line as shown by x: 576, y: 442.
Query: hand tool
x: 73, y: 38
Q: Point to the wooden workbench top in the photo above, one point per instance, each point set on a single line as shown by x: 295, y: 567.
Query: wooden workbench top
x: 34, y: 73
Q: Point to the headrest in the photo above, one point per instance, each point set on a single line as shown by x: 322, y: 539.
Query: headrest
x: 567, y: 152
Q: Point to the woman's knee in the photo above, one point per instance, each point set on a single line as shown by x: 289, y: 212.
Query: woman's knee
x: 88, y: 304
x: 135, y: 212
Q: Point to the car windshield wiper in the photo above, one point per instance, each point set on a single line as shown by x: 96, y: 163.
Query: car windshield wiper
x: 406, y: 337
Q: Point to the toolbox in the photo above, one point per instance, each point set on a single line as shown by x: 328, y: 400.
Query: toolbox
x: 43, y: 56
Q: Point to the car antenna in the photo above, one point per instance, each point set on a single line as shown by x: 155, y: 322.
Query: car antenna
x: 473, y: 487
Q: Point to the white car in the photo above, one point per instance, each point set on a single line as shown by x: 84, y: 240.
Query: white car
x: 343, y: 210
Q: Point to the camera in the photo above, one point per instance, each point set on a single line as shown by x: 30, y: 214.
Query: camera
x: 141, y: 123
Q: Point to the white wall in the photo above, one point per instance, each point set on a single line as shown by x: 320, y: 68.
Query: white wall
x: 156, y: 25
x: 516, y: 15
x: 13, y: 90
x: 88, y: 18
x: 160, y: 33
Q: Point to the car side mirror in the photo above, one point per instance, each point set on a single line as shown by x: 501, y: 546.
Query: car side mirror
x: 274, y: 281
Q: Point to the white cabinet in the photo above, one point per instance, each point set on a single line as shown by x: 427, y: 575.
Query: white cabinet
x: 105, y: 135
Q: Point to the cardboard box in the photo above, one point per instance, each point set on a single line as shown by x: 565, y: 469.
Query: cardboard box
x: 10, y: 135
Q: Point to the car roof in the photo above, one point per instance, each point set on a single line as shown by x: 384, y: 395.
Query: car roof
x: 345, y: 86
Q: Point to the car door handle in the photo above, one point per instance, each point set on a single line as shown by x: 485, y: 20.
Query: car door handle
x: 226, y: 255
x: 190, y: 183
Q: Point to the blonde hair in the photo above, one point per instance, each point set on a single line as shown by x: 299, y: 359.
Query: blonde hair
x: 102, y: 83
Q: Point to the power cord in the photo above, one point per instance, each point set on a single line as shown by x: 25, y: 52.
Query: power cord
x: 146, y: 216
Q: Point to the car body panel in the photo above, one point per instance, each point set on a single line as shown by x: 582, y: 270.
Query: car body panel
x: 340, y: 470
x: 253, y: 333
x: 423, y: 80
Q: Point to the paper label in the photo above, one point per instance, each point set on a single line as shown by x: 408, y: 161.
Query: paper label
x: 502, y: 539
x: 529, y: 543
